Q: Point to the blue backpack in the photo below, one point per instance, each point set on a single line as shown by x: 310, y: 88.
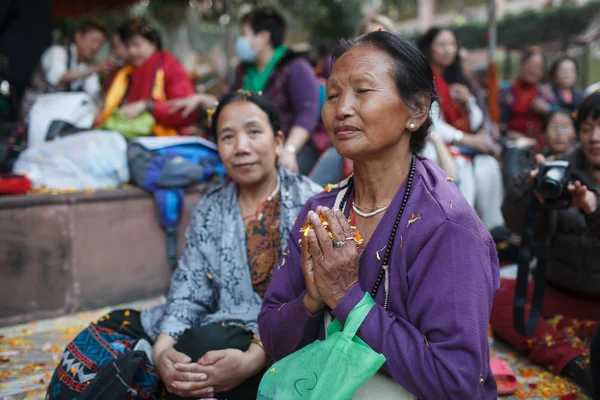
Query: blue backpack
x: 164, y: 166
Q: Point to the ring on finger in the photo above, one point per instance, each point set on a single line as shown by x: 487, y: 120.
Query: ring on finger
x: 337, y: 245
x: 349, y: 238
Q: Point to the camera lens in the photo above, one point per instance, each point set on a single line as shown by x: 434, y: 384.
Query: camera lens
x: 551, y: 187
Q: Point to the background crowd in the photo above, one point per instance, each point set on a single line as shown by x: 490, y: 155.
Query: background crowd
x: 141, y: 89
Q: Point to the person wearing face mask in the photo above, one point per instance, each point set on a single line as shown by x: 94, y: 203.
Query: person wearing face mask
x: 564, y: 76
x: 285, y: 78
x: 69, y: 68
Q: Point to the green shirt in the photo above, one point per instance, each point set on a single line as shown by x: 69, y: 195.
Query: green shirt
x: 255, y: 81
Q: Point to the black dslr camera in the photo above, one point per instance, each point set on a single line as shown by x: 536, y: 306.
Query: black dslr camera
x: 551, y: 184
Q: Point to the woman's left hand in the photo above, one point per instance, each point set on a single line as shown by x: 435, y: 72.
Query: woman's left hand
x: 133, y: 110
x: 335, y: 268
x: 226, y: 369
x: 583, y: 198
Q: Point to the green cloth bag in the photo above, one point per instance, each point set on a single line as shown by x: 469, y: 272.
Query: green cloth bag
x: 331, y: 369
x: 142, y: 125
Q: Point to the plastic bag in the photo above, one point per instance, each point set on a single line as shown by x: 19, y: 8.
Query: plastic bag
x: 78, y: 109
x: 131, y: 128
x: 85, y: 160
x: 330, y: 369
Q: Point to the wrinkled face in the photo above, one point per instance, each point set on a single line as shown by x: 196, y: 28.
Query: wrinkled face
x: 118, y: 48
x: 247, y: 144
x: 89, y: 43
x: 139, y: 50
x: 532, y: 70
x: 560, y: 133
x: 566, y: 74
x: 258, y: 42
x: 444, y: 49
x: 364, y: 113
x: 589, y: 137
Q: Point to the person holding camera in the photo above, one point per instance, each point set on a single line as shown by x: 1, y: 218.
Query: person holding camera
x: 571, y: 307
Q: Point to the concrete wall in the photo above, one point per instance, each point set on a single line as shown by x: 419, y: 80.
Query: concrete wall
x: 72, y: 252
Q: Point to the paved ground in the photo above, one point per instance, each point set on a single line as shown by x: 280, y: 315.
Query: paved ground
x: 29, y: 354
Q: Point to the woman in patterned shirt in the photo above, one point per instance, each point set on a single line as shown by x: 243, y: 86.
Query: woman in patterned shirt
x: 205, y: 338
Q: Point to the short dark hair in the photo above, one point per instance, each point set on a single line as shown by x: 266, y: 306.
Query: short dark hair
x: 412, y: 74
x: 589, y: 106
x: 91, y: 25
x: 556, y: 64
x: 259, y: 100
x: 139, y: 26
x: 530, y: 52
x: 547, y: 120
x: 270, y: 20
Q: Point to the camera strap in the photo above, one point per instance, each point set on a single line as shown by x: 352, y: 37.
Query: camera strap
x: 526, y: 326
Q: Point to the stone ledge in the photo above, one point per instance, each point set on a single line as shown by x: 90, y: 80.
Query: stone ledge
x: 73, y: 252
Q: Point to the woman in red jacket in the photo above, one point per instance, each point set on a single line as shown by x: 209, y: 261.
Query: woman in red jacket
x: 152, y: 77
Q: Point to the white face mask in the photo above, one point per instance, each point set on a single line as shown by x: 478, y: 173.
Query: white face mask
x: 244, y: 50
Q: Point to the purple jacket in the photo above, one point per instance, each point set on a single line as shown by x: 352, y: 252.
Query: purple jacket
x: 293, y: 90
x: 443, y: 275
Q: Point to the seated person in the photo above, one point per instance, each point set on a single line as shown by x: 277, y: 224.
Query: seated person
x: 571, y: 308
x: 564, y: 77
x: 120, y: 54
x: 233, y: 245
x: 69, y: 68
x: 559, y: 132
x: 152, y: 77
x: 286, y: 78
x: 434, y: 282
x: 524, y: 104
x: 460, y: 119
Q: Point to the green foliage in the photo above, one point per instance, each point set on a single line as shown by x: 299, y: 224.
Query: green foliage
x: 518, y: 31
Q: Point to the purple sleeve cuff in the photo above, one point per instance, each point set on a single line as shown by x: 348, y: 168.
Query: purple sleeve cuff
x: 306, y: 315
x: 348, y: 302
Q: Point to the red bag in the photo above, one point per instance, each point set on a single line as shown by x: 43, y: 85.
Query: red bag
x: 14, y: 184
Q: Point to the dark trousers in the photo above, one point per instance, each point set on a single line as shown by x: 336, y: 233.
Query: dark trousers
x: 515, y: 161
x: 195, y: 342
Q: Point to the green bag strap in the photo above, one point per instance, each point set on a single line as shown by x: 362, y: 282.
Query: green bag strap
x: 355, y: 318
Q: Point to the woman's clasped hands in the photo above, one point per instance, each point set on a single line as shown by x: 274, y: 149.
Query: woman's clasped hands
x: 329, y: 258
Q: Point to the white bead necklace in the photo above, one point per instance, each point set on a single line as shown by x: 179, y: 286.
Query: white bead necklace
x: 368, y: 215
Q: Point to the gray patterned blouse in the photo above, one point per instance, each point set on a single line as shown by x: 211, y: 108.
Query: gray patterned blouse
x: 212, y: 281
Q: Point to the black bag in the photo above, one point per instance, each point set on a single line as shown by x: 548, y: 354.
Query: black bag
x: 13, y: 140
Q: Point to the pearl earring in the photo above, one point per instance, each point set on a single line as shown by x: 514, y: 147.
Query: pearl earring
x: 412, y: 126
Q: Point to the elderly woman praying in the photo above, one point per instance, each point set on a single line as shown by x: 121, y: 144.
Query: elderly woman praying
x: 426, y: 259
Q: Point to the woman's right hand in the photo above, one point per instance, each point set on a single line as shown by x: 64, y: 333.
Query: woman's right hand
x: 188, y: 105
x: 184, y: 384
x: 312, y: 299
